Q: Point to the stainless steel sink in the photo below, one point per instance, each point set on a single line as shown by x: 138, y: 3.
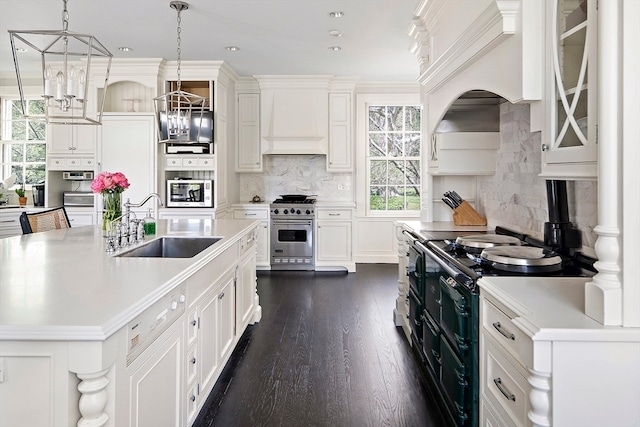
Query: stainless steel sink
x: 171, y: 247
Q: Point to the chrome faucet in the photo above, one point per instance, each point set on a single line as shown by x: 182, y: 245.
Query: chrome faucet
x: 128, y: 204
x: 128, y: 231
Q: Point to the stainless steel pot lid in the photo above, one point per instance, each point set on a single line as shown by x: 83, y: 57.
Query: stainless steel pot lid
x: 482, y: 241
x: 529, y: 256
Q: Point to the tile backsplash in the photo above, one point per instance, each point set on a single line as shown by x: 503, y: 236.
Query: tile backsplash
x: 296, y: 174
x: 516, y: 197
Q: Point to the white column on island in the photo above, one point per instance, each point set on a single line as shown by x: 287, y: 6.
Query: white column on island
x: 93, y: 399
x: 540, y: 398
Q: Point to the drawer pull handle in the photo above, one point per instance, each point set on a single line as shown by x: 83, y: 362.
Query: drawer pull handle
x: 503, y: 389
x: 505, y: 334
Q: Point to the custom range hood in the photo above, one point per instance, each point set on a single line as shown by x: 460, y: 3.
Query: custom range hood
x: 495, y: 46
x: 294, y: 114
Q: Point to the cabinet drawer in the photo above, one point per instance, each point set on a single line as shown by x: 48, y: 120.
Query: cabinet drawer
x: 173, y: 162
x: 205, y: 163
x: 251, y: 214
x: 334, y: 214
x: 504, y: 385
x: 505, y: 332
x: 87, y: 162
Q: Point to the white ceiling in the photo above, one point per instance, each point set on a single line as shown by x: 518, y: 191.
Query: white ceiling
x: 274, y: 36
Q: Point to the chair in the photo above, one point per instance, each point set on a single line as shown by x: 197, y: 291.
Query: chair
x: 52, y: 219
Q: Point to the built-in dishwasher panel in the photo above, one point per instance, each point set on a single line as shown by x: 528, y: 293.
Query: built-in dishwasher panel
x: 145, y: 328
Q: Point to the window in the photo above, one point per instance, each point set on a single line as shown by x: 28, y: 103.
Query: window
x: 23, y: 143
x: 393, y: 158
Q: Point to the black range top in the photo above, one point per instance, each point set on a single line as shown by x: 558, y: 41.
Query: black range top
x: 471, y: 263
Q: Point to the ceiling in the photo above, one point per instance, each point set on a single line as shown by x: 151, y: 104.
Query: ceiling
x: 288, y: 37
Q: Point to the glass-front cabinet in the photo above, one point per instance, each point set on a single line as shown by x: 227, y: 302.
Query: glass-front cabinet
x: 570, y: 144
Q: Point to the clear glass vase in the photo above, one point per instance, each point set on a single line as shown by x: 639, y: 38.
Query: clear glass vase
x: 111, y: 208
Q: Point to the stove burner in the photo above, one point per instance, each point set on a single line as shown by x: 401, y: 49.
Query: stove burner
x: 522, y: 259
x: 478, y: 242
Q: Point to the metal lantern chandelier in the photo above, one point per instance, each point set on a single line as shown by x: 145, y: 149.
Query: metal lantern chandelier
x: 66, y: 61
x: 178, y: 110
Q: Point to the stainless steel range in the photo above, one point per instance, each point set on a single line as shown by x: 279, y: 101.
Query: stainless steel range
x: 292, y: 223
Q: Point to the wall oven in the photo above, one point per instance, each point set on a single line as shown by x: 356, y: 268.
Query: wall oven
x: 292, y: 242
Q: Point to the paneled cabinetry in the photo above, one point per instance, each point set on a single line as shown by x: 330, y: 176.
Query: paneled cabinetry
x: 569, y: 144
x: 160, y: 367
x: 463, y: 153
x: 248, y: 152
x: 10, y: 223
x: 127, y: 144
x: 544, y: 362
x: 339, y: 154
x: 260, y: 213
x: 333, y: 238
x: 71, y: 147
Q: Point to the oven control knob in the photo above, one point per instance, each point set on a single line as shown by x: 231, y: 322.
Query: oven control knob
x: 285, y: 211
x: 298, y: 211
x: 275, y: 211
x: 308, y: 212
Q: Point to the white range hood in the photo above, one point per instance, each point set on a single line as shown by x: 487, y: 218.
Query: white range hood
x: 495, y: 46
x: 294, y: 114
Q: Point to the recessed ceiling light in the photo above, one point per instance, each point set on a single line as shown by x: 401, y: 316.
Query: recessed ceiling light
x: 335, y: 33
x: 21, y: 49
x: 336, y: 14
x: 232, y: 48
x: 125, y: 49
x: 334, y: 48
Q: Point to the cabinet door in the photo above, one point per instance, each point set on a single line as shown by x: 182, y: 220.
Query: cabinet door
x: 208, y: 360
x: 156, y: 382
x: 571, y: 149
x: 340, y: 141
x: 78, y: 219
x: 248, y: 154
x: 127, y: 145
x: 71, y: 139
x: 334, y: 241
x: 226, y: 317
x: 262, y: 248
x: 246, y: 288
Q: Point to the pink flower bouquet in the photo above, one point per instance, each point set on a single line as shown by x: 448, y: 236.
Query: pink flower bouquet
x: 107, y: 182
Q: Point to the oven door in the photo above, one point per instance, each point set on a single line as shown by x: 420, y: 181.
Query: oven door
x: 292, y: 244
x: 456, y: 322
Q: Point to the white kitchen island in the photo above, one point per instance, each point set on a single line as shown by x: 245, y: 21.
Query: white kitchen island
x: 544, y: 362
x: 95, y: 339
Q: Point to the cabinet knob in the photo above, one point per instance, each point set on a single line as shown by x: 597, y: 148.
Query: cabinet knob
x: 221, y: 295
x: 545, y: 147
x: 193, y: 360
x: 193, y: 323
x: 193, y: 397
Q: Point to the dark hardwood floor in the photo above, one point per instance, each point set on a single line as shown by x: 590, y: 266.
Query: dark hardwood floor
x: 326, y: 353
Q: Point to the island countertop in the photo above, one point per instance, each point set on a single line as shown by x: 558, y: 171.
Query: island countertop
x: 62, y: 285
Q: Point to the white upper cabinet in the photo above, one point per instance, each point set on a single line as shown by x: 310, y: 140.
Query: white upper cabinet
x: 569, y: 144
x: 248, y: 154
x: 339, y: 156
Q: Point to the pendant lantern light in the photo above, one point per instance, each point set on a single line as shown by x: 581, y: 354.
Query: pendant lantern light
x: 177, y: 111
x: 66, y: 66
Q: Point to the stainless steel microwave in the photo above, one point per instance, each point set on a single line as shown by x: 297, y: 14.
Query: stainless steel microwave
x: 189, y: 193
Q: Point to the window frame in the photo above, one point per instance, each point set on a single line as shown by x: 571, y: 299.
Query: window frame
x: 363, y: 102
x: 6, y: 123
